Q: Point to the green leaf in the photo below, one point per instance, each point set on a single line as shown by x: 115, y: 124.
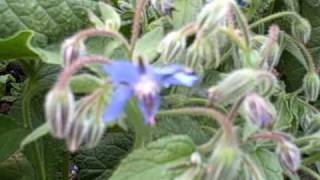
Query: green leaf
x: 110, y: 14
x: 268, y: 164
x: 17, y: 46
x: 147, y: 46
x: 35, y: 135
x: 185, y: 12
x: 99, y: 162
x: 84, y: 83
x: 10, y: 137
x: 182, y: 125
x: 16, y: 168
x: 50, y: 20
x: 156, y: 160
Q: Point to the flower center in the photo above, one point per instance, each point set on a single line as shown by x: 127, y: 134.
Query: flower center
x: 146, y: 87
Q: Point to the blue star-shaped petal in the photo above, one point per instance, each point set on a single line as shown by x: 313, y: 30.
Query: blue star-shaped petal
x: 144, y: 82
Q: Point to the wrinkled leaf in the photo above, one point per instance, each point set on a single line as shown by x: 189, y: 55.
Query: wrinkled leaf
x: 268, y: 164
x: 185, y: 12
x: 147, y: 46
x: 100, y: 161
x: 156, y: 159
x: 50, y: 20
x: 17, y: 46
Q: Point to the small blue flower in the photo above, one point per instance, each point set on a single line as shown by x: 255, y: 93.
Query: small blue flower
x: 144, y: 82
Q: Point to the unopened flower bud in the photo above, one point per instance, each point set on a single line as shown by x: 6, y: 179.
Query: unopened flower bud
x: 72, y: 50
x: 301, y: 29
x: 59, y: 109
x: 289, y: 156
x: 212, y: 13
x: 172, y: 45
x: 311, y: 86
x: 314, y: 125
x: 260, y: 112
x: 224, y: 162
x: 240, y: 82
x: 95, y: 133
x: 163, y: 7
x: 77, y: 134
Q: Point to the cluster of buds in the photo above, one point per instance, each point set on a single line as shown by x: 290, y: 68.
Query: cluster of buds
x: 77, y: 124
x: 260, y: 112
x: 311, y: 86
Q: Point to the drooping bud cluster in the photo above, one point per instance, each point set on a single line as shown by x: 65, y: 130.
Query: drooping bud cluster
x: 289, y: 156
x: 311, y: 86
x: 260, y: 112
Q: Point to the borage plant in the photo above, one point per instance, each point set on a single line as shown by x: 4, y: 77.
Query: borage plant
x: 208, y: 91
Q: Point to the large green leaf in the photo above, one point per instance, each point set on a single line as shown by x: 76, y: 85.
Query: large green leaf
x: 186, y: 11
x: 16, y: 168
x: 100, y: 161
x: 50, y: 20
x: 147, y: 46
x: 156, y: 160
x: 10, y: 137
x: 310, y: 9
x: 182, y: 125
x: 268, y: 164
x: 17, y: 46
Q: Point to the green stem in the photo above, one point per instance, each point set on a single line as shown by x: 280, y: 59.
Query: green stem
x: 306, y: 139
x: 27, y: 123
x: 65, y: 170
x: 274, y: 16
x: 312, y: 159
x: 305, y: 52
x: 243, y: 25
x: 310, y: 172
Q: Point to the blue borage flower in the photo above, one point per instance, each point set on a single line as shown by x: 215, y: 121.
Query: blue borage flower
x: 144, y: 82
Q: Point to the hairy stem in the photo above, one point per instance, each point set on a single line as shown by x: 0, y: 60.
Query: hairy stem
x: 74, y: 67
x: 274, y: 16
x: 136, y: 22
x: 27, y: 123
x: 99, y: 32
x: 310, y: 172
